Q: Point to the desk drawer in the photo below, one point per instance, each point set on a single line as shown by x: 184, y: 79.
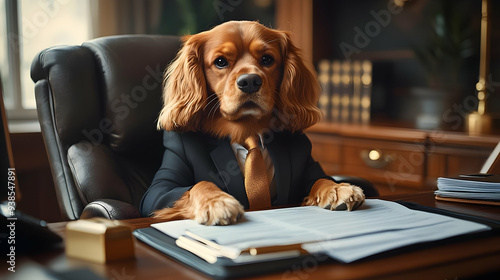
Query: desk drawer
x: 384, y: 162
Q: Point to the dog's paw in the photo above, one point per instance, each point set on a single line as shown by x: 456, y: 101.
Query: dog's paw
x: 206, y: 204
x: 330, y: 195
x: 212, y: 206
x: 223, y: 210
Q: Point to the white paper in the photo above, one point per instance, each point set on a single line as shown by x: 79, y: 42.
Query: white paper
x: 464, y: 185
x: 375, y: 227
x: 469, y: 188
x: 469, y: 195
x: 354, y: 248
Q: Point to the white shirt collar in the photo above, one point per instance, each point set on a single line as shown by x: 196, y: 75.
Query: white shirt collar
x: 238, y: 146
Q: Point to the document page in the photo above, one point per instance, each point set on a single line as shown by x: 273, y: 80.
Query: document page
x: 482, y: 187
x: 470, y: 184
x: 375, y: 227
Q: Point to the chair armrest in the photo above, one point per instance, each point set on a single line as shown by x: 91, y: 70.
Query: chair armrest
x: 368, y: 188
x: 110, y: 209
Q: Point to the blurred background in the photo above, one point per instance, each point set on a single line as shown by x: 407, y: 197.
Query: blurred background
x: 425, y: 50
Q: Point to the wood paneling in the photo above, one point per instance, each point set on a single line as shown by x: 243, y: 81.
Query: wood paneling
x: 34, y: 177
x: 297, y: 16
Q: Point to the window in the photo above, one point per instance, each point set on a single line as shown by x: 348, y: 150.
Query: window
x: 27, y: 27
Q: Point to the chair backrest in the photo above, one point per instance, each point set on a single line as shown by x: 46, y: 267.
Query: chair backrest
x: 97, y: 105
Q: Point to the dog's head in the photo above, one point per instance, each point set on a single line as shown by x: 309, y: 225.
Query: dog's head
x: 237, y: 79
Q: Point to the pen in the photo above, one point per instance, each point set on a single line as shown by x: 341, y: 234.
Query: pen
x: 254, y: 251
x: 274, y: 249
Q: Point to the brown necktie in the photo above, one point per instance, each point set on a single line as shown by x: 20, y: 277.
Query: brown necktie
x: 256, y: 182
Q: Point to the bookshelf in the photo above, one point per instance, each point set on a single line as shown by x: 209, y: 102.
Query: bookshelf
x: 418, y: 102
x: 407, y: 86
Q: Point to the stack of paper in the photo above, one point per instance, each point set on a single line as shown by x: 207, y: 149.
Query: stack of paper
x: 375, y: 227
x: 476, y: 187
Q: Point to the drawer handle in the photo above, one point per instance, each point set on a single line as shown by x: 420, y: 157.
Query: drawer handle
x: 375, y: 158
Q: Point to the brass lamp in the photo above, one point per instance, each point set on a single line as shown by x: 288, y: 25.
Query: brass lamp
x: 479, y: 122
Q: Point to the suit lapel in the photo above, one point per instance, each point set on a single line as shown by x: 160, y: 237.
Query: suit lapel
x: 282, y: 170
x: 229, y: 170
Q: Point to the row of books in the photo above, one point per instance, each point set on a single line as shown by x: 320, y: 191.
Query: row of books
x: 346, y: 90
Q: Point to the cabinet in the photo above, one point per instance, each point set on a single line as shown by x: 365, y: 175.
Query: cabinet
x: 397, y: 160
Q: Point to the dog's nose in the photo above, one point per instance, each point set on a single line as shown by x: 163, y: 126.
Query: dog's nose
x: 249, y: 83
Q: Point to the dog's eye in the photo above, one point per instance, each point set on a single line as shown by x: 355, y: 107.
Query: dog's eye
x: 267, y: 60
x: 221, y: 62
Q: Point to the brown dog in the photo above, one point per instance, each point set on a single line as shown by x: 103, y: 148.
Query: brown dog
x: 236, y: 80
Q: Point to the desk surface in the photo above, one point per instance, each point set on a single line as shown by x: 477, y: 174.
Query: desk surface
x: 447, y: 261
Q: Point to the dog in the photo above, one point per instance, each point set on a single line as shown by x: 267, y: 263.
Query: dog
x: 236, y: 80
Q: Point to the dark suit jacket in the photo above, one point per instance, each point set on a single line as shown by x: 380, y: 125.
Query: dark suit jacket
x: 192, y: 157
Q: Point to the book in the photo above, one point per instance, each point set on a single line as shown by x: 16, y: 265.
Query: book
x: 335, y: 92
x: 356, y: 92
x: 366, y: 91
x: 473, y: 188
x: 377, y: 226
x: 346, y: 91
x: 324, y: 98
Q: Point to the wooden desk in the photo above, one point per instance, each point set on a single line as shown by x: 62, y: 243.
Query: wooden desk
x: 454, y: 260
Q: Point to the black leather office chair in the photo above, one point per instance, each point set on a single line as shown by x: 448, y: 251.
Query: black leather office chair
x: 97, y: 106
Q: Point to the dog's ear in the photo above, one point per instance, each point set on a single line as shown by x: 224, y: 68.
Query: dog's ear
x: 299, y: 90
x: 184, y: 89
